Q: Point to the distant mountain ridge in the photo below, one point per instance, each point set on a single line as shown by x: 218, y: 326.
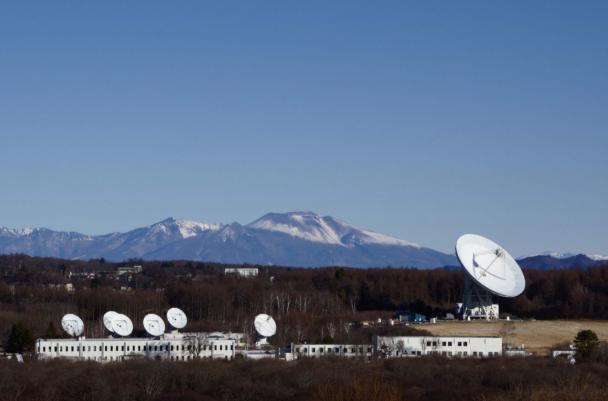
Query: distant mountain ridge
x: 299, y: 239
x: 303, y: 239
x: 553, y: 260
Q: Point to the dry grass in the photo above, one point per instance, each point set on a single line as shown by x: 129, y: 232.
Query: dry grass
x: 538, y: 335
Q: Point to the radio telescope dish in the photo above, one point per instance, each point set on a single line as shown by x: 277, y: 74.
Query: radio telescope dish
x: 122, y: 325
x: 72, y: 325
x: 490, y: 266
x: 154, y: 324
x: 265, y: 325
x: 107, y: 320
x: 177, y: 318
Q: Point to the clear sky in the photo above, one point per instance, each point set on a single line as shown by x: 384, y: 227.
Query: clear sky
x: 423, y: 120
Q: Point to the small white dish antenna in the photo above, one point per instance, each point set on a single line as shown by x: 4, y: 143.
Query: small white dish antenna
x: 107, y: 320
x: 265, y: 325
x: 490, y: 266
x: 154, y: 324
x: 122, y: 325
x: 177, y: 318
x: 72, y: 325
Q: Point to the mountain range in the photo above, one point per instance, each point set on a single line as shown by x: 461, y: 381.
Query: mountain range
x: 302, y: 239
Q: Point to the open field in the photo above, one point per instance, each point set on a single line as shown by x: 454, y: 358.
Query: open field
x: 538, y: 335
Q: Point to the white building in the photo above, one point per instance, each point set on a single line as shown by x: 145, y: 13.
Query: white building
x: 173, y: 346
x: 338, y: 350
x: 452, y: 346
x: 242, y: 271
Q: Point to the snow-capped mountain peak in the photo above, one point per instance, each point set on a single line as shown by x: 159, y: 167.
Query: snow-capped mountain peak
x: 310, y: 226
x: 189, y: 228
x: 185, y: 228
x: 18, y: 232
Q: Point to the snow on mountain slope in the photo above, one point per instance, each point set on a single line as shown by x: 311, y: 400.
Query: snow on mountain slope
x: 566, y: 255
x: 189, y: 228
x: 327, y: 230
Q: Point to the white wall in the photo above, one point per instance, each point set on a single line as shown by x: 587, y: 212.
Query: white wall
x: 115, y: 349
x: 398, y: 346
x: 339, y: 350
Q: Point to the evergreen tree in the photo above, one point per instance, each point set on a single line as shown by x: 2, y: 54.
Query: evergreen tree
x: 20, y: 339
x: 51, y: 331
x: 586, y: 342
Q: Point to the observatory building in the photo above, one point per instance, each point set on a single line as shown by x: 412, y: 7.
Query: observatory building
x: 176, y: 347
x: 489, y: 270
x: 454, y: 346
x: 119, y: 346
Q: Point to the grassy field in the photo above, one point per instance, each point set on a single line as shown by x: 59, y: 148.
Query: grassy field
x: 538, y: 335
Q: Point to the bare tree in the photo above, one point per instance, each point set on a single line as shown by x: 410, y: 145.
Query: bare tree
x: 196, y: 344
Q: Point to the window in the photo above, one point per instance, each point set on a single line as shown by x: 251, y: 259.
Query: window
x: 297, y: 349
x: 443, y: 343
x: 460, y: 343
x: 55, y: 348
x: 172, y: 348
x: 466, y: 353
x: 369, y: 349
x: 337, y: 350
x: 139, y: 347
x: 434, y: 343
x: 313, y: 349
x: 220, y: 347
x: 449, y: 344
x: 231, y: 347
x: 215, y: 347
x: 89, y: 348
x: 474, y: 353
x: 122, y: 348
x: 321, y: 350
x: 464, y: 343
x: 428, y: 343
x: 72, y: 348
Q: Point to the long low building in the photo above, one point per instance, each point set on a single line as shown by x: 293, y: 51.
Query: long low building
x: 172, y: 346
x: 453, y: 346
x: 325, y: 350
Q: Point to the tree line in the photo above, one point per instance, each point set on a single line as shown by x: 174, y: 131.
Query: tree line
x: 309, y: 304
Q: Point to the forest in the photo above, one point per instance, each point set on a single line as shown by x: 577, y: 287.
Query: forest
x: 315, y: 305
x: 429, y: 379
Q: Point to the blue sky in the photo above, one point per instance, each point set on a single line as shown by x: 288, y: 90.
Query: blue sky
x: 423, y: 120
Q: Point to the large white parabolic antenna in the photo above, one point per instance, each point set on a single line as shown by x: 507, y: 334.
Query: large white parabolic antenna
x: 122, y: 325
x: 265, y: 325
x: 72, y: 325
x: 107, y: 320
x: 177, y: 318
x: 154, y: 324
x: 490, y: 266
